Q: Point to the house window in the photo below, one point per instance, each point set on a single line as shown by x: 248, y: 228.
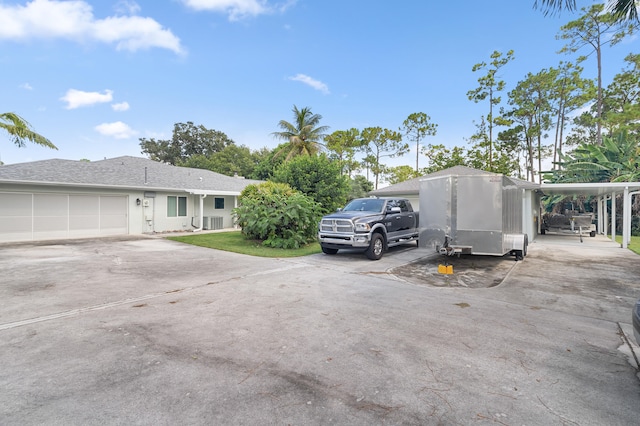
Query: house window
x: 219, y: 203
x: 176, y: 206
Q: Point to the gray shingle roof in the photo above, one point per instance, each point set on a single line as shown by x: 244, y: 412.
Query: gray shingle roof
x: 125, y: 172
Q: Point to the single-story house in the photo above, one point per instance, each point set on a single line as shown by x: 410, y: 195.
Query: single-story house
x: 58, y: 199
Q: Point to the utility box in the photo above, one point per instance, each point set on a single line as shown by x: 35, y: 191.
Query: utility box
x: 472, y: 214
x: 206, y: 222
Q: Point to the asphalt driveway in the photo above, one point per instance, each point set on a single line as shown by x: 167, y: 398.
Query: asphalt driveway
x: 149, y: 331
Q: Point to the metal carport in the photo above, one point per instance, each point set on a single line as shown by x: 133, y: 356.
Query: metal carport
x: 603, y: 191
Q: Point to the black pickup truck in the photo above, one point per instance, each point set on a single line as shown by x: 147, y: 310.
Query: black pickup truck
x: 370, y: 224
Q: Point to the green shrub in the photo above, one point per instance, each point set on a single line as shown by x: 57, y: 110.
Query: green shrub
x: 278, y: 215
x: 316, y: 176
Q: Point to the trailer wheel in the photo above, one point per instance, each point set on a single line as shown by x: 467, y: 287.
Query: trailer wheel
x: 526, y: 244
x: 592, y: 233
x: 376, y: 247
x: 327, y: 250
x: 518, y: 254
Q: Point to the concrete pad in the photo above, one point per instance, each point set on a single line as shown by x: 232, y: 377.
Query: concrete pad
x: 152, y: 331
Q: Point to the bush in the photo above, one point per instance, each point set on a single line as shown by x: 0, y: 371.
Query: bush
x: 278, y: 215
x: 316, y: 176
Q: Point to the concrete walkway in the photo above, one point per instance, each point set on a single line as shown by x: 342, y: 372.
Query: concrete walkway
x: 154, y: 332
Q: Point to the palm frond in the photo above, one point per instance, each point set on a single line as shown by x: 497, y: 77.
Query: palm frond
x: 20, y: 130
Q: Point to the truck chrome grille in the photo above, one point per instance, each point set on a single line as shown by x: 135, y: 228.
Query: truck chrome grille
x: 336, y: 225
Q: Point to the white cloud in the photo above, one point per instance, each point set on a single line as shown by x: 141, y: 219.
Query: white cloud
x: 26, y: 86
x: 77, y: 98
x: 74, y: 20
x: 122, y: 106
x: 317, y: 85
x: 238, y: 9
x: 117, y: 130
x: 126, y: 7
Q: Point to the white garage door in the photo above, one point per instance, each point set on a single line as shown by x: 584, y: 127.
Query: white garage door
x: 27, y: 217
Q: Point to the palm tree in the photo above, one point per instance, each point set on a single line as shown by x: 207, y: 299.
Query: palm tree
x: 305, y: 136
x: 621, y: 9
x: 20, y: 131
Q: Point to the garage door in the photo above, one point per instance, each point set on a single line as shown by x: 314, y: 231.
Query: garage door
x: 27, y: 217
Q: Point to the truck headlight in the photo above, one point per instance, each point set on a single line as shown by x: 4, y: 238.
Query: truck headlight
x: 362, y: 227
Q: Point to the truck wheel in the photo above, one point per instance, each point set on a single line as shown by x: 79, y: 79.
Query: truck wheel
x: 376, y: 247
x: 327, y: 250
x: 526, y: 244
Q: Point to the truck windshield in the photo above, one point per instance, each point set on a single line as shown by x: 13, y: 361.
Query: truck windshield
x: 365, y: 205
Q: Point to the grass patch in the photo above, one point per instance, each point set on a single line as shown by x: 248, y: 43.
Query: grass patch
x: 236, y: 242
x: 634, y: 243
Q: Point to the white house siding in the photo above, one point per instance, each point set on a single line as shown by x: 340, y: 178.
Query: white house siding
x: 225, y: 213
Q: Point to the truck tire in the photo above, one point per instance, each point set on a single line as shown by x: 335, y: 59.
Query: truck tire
x: 327, y: 250
x: 376, y: 247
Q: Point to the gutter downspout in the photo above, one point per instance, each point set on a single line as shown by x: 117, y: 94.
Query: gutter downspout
x: 202, y: 197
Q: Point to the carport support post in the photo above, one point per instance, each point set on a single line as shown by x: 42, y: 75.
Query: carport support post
x: 605, y: 216
x: 613, y: 217
x: 599, y: 215
x: 626, y: 217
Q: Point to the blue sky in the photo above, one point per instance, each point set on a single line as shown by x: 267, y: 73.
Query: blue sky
x: 95, y: 76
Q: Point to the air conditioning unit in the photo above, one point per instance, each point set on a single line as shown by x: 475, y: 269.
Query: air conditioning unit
x: 206, y: 222
x: 216, y: 222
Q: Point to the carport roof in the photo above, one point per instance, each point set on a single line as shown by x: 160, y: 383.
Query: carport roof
x: 598, y: 189
x: 122, y: 172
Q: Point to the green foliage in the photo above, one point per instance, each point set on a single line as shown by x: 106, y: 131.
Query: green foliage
x: 378, y: 143
x: 621, y: 103
x: 342, y: 146
x: 416, y: 127
x: 489, y: 86
x: 20, y: 130
x: 593, y: 30
x: 267, y: 161
x: 441, y: 157
x: 188, y: 140
x: 616, y: 160
x: 316, y: 176
x: 622, y: 10
x: 234, y: 160
x: 399, y: 174
x: 304, y: 136
x: 231, y: 161
x: 359, y: 187
x: 278, y: 215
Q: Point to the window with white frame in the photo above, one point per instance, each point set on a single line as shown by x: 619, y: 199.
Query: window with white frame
x: 176, y: 206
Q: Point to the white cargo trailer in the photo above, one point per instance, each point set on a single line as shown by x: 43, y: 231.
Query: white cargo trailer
x: 474, y: 214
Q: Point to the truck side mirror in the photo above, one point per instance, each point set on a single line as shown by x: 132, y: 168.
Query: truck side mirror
x: 395, y: 210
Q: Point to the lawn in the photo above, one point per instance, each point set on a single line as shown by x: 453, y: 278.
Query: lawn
x: 634, y: 244
x: 234, y: 241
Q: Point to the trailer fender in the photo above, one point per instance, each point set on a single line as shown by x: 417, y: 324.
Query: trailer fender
x: 515, y: 242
